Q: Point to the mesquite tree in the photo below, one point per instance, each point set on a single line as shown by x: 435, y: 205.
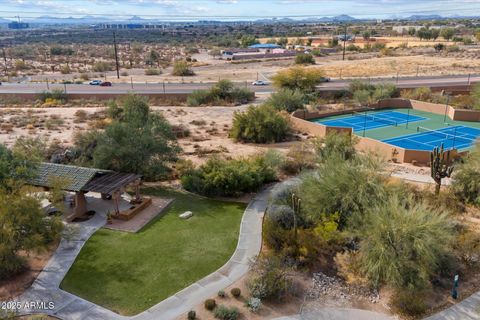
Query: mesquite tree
x: 440, y: 166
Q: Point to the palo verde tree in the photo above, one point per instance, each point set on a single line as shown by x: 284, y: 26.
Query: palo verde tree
x: 137, y: 141
x: 298, y: 78
x: 403, y: 243
x: 23, y: 225
x: 440, y: 166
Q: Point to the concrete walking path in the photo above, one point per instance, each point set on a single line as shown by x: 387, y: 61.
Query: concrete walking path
x: 68, y: 306
x: 339, y: 314
x: 467, y: 309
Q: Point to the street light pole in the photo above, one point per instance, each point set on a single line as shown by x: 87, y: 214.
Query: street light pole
x: 344, y: 42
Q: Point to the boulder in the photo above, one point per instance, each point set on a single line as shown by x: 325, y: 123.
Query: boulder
x: 186, y: 215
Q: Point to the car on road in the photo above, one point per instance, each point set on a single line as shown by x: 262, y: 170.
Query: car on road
x: 95, y: 82
x: 260, y: 83
x: 325, y: 79
x: 106, y: 84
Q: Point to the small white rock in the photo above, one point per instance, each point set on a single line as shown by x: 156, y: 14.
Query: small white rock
x: 186, y: 215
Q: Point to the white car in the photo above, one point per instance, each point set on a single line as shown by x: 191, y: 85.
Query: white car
x: 260, y: 83
x: 95, y: 82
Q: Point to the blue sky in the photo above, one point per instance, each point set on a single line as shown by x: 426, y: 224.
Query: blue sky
x: 237, y: 8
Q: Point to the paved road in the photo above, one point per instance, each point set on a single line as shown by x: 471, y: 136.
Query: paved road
x: 335, y: 84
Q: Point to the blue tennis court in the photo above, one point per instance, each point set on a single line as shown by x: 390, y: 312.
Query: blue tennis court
x: 455, y: 137
x: 371, y: 120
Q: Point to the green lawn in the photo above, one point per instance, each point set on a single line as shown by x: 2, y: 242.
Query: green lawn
x: 128, y: 273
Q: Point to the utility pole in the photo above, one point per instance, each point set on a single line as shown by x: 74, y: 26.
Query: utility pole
x: 344, y: 42
x: 116, y: 54
x: 5, y: 68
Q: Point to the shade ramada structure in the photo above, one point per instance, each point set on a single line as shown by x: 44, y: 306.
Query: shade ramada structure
x: 81, y: 180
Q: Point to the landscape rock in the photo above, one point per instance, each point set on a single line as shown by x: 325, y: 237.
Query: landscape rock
x: 186, y: 215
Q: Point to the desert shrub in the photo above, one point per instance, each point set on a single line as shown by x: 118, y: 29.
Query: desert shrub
x: 65, y: 69
x: 84, y: 76
x: 262, y: 124
x: 221, y: 294
x: 341, y: 145
x: 152, y: 72
x: 317, y: 53
x: 254, y: 304
x: 453, y: 48
x: 55, y: 94
x: 467, y: 247
x: 298, y: 78
x: 346, y: 187
x: 21, y: 65
x: 352, y: 47
x: 385, y: 91
x: 229, y: 177
x: 409, y: 303
x: 300, y: 157
x: 363, y: 97
x: 242, y: 95
x: 378, y: 46
x: 403, y: 243
x: 286, y: 100
x: 446, y: 199
x: 270, y: 279
x: 210, y: 304
x: 365, y: 93
x: 124, y: 74
x: 236, y: 292
x: 222, y: 92
x: 80, y: 116
x: 475, y: 94
x: 102, y: 66
x: 275, y: 236
x: 199, y: 97
x: 422, y: 94
x: 386, y: 52
x: 466, y: 181
x: 182, y: 69
x: 225, y: 313
x: 53, y: 123
x: 304, y: 58
x: 192, y: 315
x: 357, y: 85
x: 348, y: 266
x: 464, y: 102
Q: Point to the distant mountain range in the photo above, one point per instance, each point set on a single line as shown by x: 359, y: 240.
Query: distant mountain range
x: 51, y: 20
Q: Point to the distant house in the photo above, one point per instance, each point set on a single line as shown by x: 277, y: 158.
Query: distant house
x: 18, y: 25
x: 251, y: 54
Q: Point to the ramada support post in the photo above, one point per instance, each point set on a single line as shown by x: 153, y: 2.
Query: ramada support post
x: 80, y: 206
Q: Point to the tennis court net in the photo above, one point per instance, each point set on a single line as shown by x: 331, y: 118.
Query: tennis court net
x: 375, y: 118
x: 437, y: 133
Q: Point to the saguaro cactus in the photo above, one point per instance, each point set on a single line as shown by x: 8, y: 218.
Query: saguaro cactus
x: 440, y: 166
